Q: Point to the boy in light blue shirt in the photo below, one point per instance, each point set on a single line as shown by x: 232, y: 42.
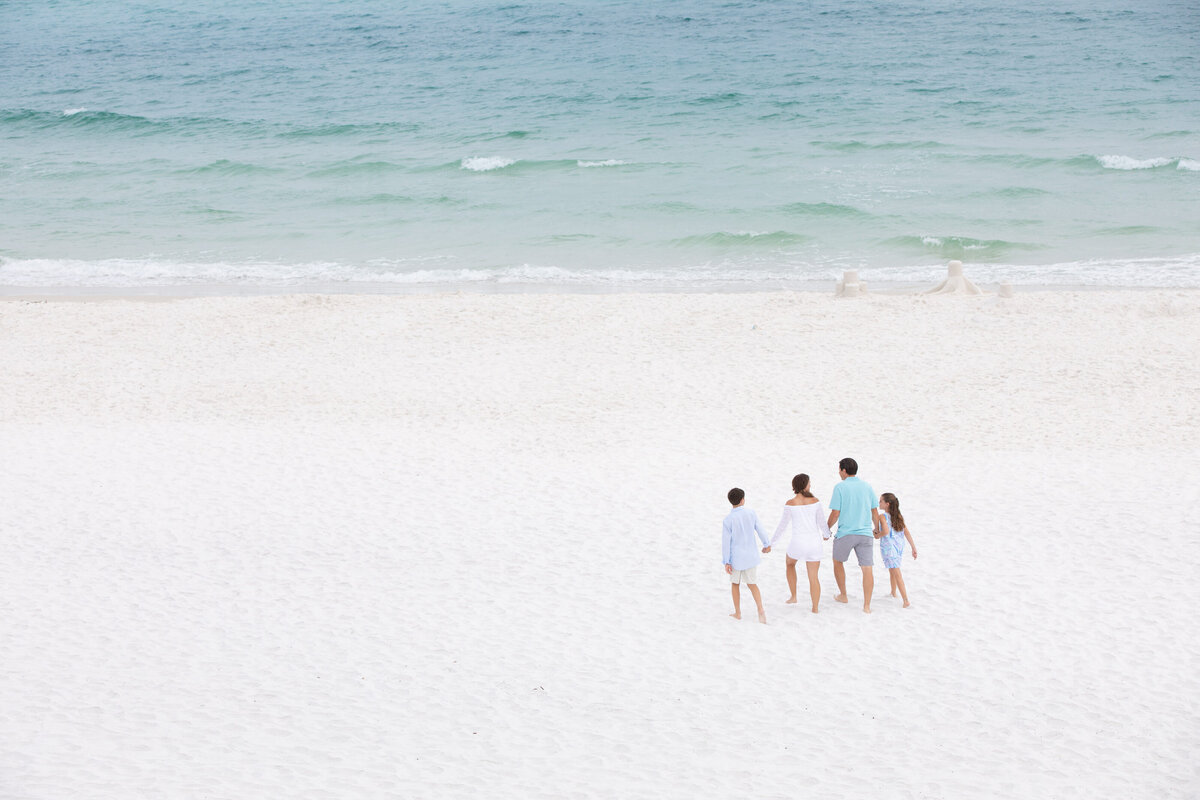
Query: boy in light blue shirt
x: 740, y: 552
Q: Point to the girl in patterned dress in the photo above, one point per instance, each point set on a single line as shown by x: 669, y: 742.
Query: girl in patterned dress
x: 891, y: 533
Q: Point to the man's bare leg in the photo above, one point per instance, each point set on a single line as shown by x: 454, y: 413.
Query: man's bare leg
x: 839, y: 574
x: 868, y: 587
x: 791, y: 577
x: 762, y: 615
x: 737, y: 600
x: 814, y: 585
x: 898, y: 579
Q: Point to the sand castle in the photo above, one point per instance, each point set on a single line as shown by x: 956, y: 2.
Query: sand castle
x: 956, y: 282
x: 850, y: 285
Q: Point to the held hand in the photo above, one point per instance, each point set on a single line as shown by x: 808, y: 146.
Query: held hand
x: 729, y: 569
x: 767, y: 549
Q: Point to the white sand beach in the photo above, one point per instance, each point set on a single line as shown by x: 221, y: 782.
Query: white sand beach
x: 467, y: 545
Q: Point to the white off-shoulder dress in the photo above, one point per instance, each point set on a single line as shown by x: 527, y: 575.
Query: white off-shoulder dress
x: 810, y: 527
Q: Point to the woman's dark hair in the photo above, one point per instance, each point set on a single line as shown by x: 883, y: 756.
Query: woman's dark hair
x: 800, y: 485
x: 894, y: 511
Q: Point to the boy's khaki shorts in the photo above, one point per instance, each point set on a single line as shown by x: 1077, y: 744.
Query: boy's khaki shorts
x: 744, y: 576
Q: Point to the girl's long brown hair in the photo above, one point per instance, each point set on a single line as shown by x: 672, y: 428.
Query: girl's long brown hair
x: 894, y: 510
x: 800, y: 485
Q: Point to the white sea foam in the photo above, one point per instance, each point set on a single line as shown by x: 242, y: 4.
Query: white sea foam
x: 1189, y: 165
x: 934, y: 241
x: 1180, y: 271
x: 157, y: 275
x: 1127, y: 163
x: 487, y: 163
x: 70, y: 112
x: 612, y: 162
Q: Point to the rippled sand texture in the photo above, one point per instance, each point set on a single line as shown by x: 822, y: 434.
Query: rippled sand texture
x: 464, y: 546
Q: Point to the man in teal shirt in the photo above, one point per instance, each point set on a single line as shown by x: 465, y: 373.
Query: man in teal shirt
x: 856, y: 511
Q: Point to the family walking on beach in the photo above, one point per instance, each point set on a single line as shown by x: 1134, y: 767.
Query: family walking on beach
x: 860, y: 520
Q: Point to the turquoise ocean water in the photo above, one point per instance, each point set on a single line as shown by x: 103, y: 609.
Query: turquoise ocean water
x: 597, y: 142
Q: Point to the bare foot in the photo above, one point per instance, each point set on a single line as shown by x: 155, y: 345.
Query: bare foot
x: 736, y: 615
x: 789, y: 602
x: 895, y: 595
x: 866, y: 609
x: 762, y: 617
x: 841, y: 598
x: 907, y: 604
x: 814, y: 609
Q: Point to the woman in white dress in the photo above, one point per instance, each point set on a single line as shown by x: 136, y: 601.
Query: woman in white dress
x: 806, y: 518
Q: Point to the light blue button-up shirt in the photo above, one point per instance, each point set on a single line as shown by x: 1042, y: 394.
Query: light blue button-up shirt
x: 738, y: 546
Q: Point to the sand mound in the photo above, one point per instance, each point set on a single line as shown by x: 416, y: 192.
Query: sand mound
x: 956, y: 282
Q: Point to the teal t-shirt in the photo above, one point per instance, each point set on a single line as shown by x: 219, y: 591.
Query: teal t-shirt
x: 853, y: 499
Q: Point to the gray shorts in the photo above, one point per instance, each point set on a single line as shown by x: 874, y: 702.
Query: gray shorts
x: 863, y: 547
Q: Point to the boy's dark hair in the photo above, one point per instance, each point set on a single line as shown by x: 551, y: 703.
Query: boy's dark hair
x: 736, y: 496
x: 850, y: 465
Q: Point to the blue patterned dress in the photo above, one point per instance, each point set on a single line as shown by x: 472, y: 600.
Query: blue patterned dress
x: 891, y: 546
